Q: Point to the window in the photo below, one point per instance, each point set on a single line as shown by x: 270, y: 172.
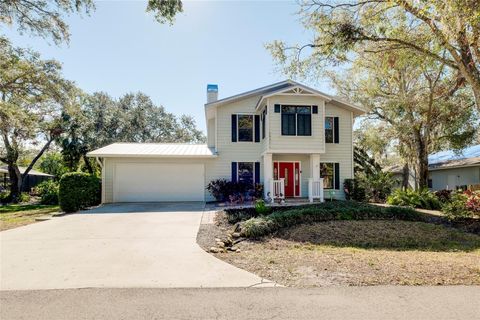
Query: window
x: 245, y: 127
x: 430, y: 183
x: 245, y: 172
x: 327, y: 172
x: 264, y: 122
x: 328, y: 129
x: 296, y: 121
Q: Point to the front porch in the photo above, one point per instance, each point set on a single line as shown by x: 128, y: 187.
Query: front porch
x: 293, y: 177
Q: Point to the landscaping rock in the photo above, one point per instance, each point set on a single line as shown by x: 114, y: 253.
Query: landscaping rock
x: 236, y: 235
x: 215, y: 250
x: 221, y: 244
x: 232, y: 249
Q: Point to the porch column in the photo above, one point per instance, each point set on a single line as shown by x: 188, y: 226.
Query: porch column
x: 267, y: 173
x: 315, y: 166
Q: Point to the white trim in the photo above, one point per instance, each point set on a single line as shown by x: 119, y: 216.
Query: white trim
x: 289, y: 151
x: 158, y: 156
x: 299, y: 176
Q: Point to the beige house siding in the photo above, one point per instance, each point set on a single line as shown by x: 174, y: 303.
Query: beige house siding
x: 211, y: 133
x: 341, y: 152
x: 313, y: 143
x: 457, y: 176
x: 229, y: 151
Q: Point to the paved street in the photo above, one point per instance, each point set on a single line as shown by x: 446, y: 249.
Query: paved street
x: 410, y: 303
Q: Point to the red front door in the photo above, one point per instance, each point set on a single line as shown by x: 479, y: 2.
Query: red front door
x: 290, y: 171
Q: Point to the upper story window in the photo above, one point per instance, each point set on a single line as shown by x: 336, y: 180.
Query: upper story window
x: 296, y: 120
x: 331, y: 130
x: 245, y: 127
x: 264, y: 122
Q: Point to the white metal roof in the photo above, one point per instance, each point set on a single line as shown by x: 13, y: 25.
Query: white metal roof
x: 4, y: 169
x: 154, y: 150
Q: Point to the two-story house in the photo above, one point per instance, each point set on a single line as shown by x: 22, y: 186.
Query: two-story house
x: 295, y: 140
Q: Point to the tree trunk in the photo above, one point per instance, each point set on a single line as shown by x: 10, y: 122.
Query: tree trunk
x: 15, y: 182
x: 30, y: 166
x: 422, y: 162
x: 405, y: 177
x: 87, y: 164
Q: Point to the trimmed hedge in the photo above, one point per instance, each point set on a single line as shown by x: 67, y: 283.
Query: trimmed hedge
x: 341, y: 210
x: 78, y: 190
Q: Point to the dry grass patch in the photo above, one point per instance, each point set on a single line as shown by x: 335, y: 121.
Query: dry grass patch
x: 363, y: 253
x: 12, y: 216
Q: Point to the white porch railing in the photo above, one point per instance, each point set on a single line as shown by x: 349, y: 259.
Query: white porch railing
x: 277, y: 188
x: 315, y: 189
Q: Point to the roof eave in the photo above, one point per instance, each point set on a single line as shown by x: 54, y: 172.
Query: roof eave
x: 116, y: 155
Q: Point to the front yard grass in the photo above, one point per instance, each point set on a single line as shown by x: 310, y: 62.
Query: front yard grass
x: 359, y: 252
x: 16, y: 215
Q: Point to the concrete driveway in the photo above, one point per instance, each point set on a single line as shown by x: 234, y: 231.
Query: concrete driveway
x: 117, y: 246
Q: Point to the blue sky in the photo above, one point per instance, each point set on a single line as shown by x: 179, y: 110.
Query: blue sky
x: 120, y: 49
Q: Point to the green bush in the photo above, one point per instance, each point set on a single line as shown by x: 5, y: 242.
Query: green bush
x: 78, y: 190
x: 261, y: 209
x: 456, y: 208
x: 24, y: 197
x: 48, y: 192
x: 423, y: 199
x: 340, y: 210
x: 354, y: 190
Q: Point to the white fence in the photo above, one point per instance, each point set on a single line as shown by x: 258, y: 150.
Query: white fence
x: 277, y: 188
x: 315, y: 189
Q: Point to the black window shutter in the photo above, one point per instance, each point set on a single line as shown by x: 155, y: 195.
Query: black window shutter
x: 277, y: 108
x: 234, y: 128
x: 257, y: 128
x: 337, y: 176
x: 314, y: 109
x: 336, y: 130
x: 234, y: 172
x: 257, y: 172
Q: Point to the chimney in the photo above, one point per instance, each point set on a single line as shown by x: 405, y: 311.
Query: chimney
x: 212, y: 93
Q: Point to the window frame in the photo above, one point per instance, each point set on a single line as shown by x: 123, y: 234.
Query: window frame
x: 333, y: 174
x: 253, y: 127
x: 296, y: 119
x: 333, y: 129
x: 253, y: 170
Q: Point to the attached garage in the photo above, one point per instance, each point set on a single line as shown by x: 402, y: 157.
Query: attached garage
x: 134, y: 172
x: 156, y: 182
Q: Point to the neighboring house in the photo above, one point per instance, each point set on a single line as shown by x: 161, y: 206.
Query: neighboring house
x: 33, y: 178
x: 286, y: 135
x: 449, y: 170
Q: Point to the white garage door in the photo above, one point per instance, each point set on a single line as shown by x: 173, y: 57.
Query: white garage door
x: 149, y: 182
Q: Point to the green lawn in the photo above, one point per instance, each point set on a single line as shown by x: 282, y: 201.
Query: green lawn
x: 16, y: 215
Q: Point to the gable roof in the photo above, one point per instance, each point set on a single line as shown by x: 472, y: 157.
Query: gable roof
x: 280, y: 87
x: 154, y: 150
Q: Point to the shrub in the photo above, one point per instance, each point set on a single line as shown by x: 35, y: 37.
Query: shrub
x: 341, y: 210
x: 376, y: 186
x: 24, y: 197
x: 473, y: 202
x: 444, y: 195
x: 261, y: 209
x: 48, y: 192
x: 235, y: 192
x: 423, y: 199
x: 353, y: 190
x: 78, y: 190
x: 456, y: 208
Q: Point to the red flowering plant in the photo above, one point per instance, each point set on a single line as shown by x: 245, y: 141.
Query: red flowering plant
x: 473, y: 201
